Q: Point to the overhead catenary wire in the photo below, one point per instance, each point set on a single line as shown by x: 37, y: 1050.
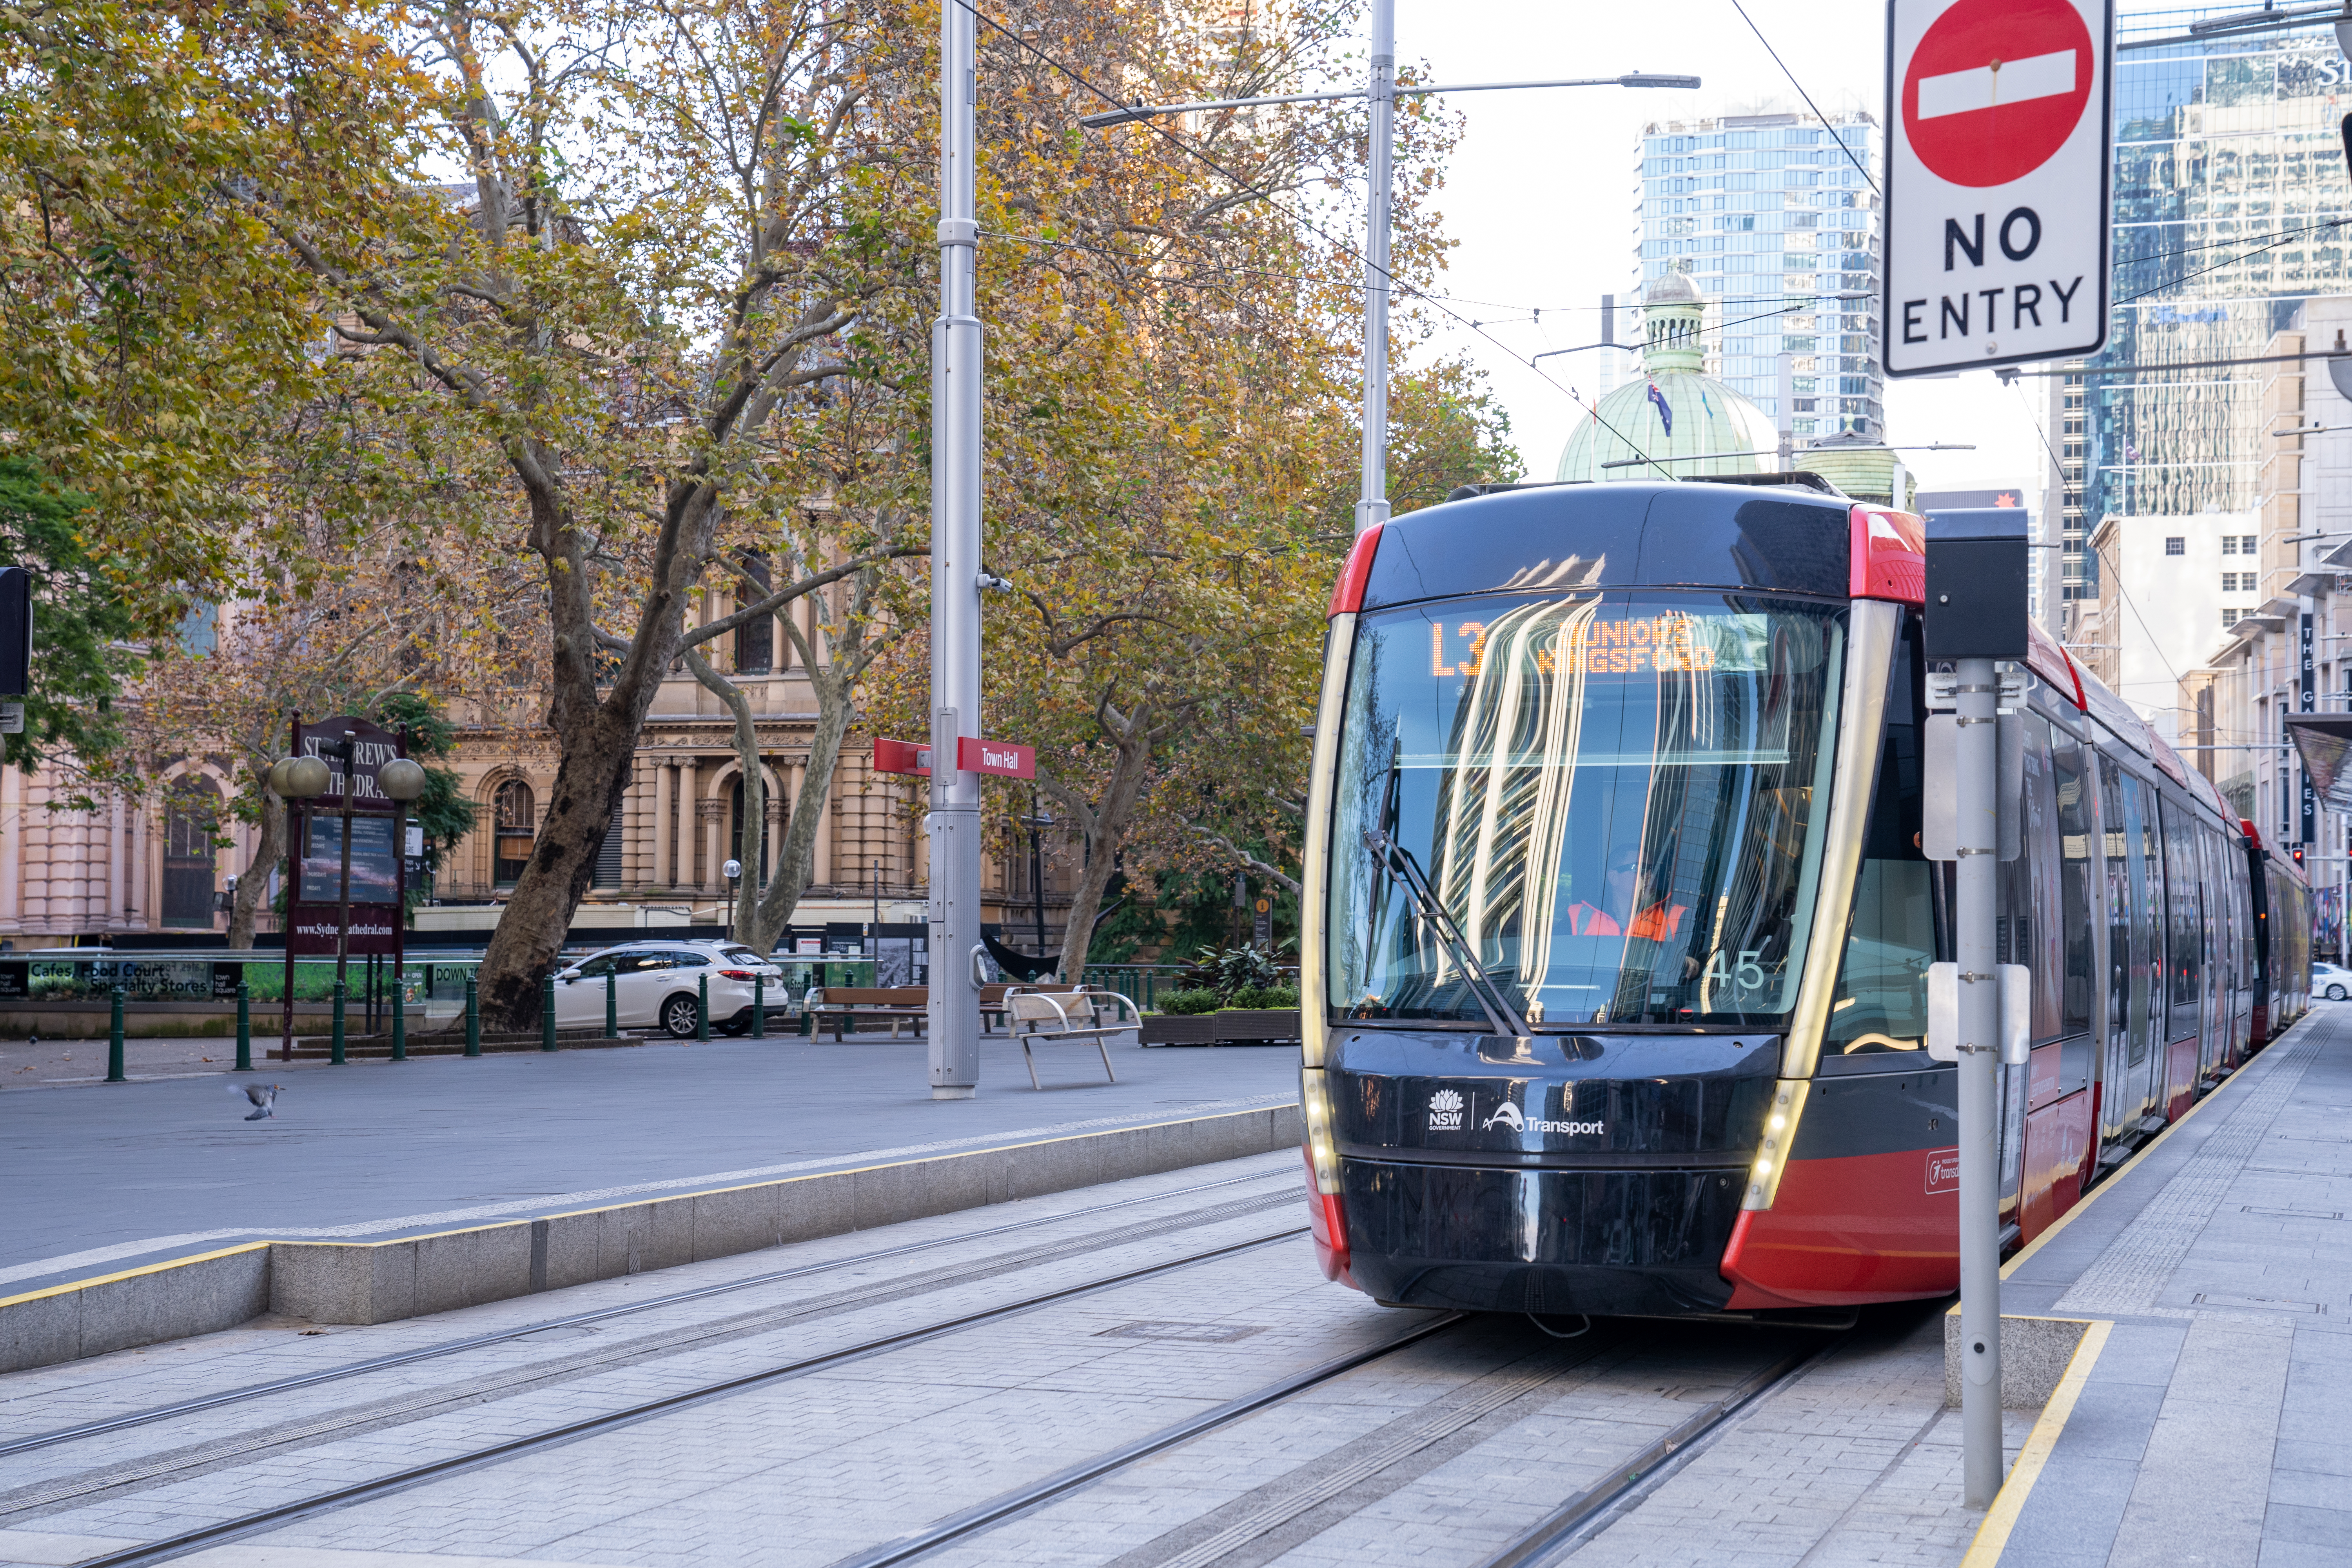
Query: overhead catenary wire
x: 1808, y: 97
x: 2121, y: 592
x: 1794, y: 304
x: 1346, y: 247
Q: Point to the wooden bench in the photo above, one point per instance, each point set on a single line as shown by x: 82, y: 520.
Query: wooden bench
x: 841, y: 1008
x: 1064, y: 1018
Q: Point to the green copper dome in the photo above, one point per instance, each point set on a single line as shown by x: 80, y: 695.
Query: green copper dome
x: 1707, y: 417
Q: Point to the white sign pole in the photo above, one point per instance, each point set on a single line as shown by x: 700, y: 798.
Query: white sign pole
x: 2000, y: 137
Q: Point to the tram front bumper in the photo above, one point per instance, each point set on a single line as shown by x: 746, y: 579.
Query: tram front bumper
x: 1482, y: 1238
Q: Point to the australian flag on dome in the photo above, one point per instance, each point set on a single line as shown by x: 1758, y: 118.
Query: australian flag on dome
x: 1658, y: 401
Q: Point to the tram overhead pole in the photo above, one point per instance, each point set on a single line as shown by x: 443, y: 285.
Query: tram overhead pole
x: 1380, y: 92
x: 953, y: 823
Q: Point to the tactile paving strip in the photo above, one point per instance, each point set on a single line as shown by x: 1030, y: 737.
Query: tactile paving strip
x: 2126, y: 1278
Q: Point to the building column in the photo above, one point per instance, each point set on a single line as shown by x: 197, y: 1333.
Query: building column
x: 712, y: 811
x: 143, y: 908
x: 663, y: 775
x: 12, y: 849
x: 116, y: 878
x: 822, y: 874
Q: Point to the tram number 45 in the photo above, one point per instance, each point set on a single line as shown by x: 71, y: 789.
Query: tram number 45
x: 1746, y: 974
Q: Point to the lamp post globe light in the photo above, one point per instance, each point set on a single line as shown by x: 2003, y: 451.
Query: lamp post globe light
x: 733, y: 871
x: 300, y: 778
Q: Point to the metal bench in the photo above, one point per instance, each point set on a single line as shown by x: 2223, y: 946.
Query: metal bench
x: 1068, y: 1018
x: 993, y: 1009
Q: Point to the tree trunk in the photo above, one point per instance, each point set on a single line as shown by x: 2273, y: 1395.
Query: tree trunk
x: 253, y: 883
x: 755, y: 794
x: 796, y: 857
x: 596, y: 735
x: 1106, y: 824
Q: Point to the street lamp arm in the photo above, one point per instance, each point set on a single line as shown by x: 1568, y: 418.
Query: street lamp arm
x: 1135, y: 111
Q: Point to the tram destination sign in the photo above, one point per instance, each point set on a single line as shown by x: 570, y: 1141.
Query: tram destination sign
x: 2000, y: 137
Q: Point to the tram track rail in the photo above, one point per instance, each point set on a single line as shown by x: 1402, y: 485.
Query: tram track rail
x: 373, y: 1364
x: 1561, y: 1529
x: 296, y: 1509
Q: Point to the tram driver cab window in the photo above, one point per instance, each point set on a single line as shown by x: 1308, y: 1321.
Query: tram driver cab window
x: 1881, y: 1007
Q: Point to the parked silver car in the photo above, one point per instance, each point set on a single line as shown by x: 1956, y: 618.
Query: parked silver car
x: 658, y: 985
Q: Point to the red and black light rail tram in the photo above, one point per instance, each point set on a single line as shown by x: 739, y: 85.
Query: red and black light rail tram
x: 1616, y: 929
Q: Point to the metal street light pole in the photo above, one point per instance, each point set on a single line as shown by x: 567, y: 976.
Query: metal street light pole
x: 953, y: 824
x: 1372, y: 504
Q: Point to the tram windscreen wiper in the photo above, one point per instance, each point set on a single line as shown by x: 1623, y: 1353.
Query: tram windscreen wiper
x: 1402, y: 868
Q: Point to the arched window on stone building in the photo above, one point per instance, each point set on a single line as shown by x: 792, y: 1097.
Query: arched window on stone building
x: 191, y: 812
x: 514, y: 824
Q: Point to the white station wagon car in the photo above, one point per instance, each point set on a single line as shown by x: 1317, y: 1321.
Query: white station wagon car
x: 656, y: 985
x: 2330, y: 981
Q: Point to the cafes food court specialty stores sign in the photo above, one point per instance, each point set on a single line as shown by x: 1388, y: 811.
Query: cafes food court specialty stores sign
x: 1999, y: 139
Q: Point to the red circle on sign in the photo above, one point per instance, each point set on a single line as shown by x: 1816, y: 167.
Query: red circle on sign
x: 1975, y: 131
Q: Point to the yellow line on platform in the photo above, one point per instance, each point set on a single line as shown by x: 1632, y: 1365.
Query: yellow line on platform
x: 1992, y: 1535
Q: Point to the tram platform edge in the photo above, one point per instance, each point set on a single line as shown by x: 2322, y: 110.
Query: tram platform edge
x: 384, y: 1279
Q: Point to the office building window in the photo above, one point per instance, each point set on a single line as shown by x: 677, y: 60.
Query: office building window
x: 2245, y: 545
x: 2175, y: 544
x: 2230, y: 618
x: 2229, y: 544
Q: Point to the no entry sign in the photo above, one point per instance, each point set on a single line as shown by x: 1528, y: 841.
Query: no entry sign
x: 1998, y: 145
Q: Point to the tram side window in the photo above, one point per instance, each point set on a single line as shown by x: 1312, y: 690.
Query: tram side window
x: 1882, y: 996
x: 2184, y: 938
x: 2071, y: 774
x: 2027, y: 934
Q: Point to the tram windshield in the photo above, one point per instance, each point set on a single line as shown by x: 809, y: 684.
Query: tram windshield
x: 1617, y: 796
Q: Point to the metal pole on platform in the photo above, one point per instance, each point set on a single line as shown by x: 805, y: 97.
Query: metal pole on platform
x: 473, y: 1013
x: 243, y: 1026
x: 1975, y: 949
x: 953, y: 822
x: 1976, y: 576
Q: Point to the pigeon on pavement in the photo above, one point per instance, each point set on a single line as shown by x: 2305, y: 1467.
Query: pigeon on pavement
x: 264, y: 1097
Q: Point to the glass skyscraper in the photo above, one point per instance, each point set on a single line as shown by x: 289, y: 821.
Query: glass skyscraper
x: 1779, y: 230
x: 2229, y: 165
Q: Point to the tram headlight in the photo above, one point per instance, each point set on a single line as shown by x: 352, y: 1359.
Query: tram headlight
x: 1322, y: 1147
x: 1772, y: 1149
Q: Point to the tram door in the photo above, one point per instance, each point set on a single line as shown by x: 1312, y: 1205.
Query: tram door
x: 2134, y: 950
x: 2213, y: 904
x: 2184, y: 946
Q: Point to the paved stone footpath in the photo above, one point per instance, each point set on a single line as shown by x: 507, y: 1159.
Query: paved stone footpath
x: 2213, y: 1428
x: 105, y: 1176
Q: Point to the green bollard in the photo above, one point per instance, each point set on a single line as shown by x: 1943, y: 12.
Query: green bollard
x: 702, y: 1007
x: 759, y: 1006
x: 399, y: 1027
x: 114, y: 1073
x: 547, y: 1012
x: 612, y: 1005
x: 244, y: 1027
x: 335, y: 1051
x: 473, y: 1015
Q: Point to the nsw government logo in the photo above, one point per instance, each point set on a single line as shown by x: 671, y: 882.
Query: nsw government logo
x: 1445, y: 1112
